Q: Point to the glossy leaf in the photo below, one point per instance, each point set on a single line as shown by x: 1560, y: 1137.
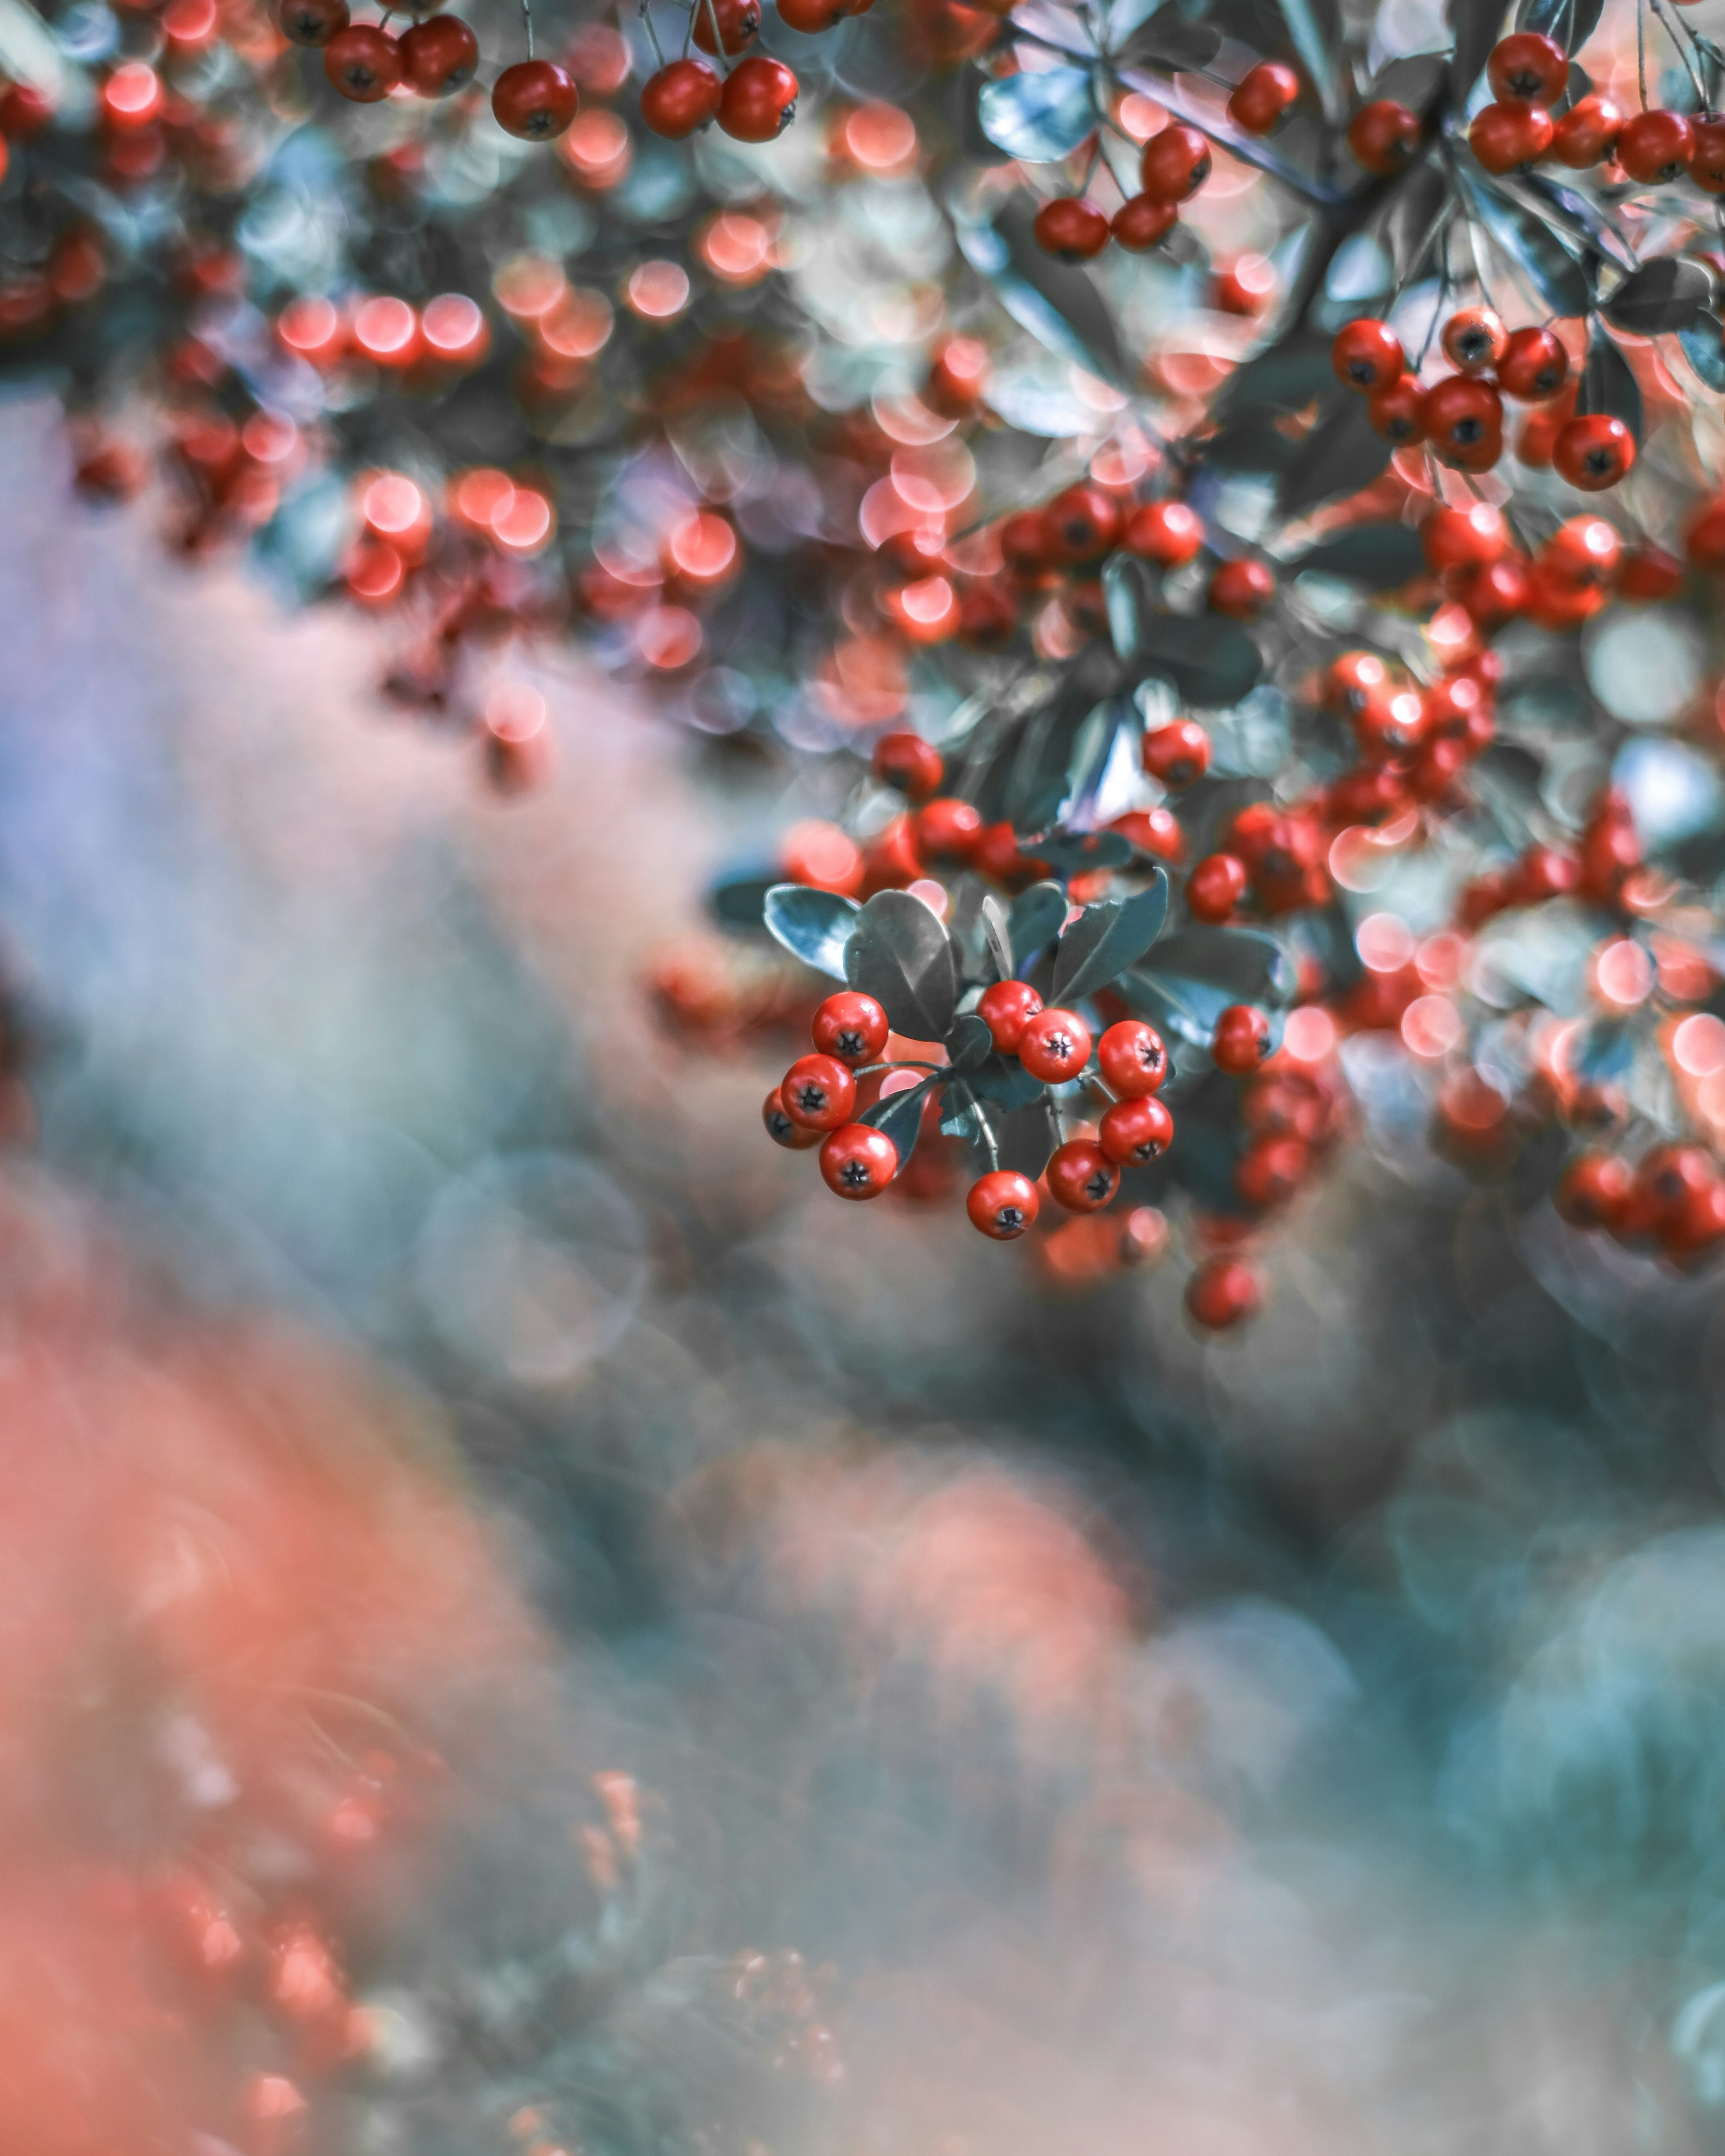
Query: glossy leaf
x: 1342, y: 453
x: 1281, y: 378
x: 1477, y: 23
x: 1535, y: 249
x: 1055, y: 301
x: 1211, y: 661
x: 1004, y: 1079
x: 1107, y: 938
x: 1075, y: 852
x: 900, y: 1115
x: 1377, y: 557
x: 1035, y: 920
x: 1668, y: 294
x: 1312, y: 26
x: 999, y: 934
x: 1170, y: 39
x: 1040, y: 117
x: 814, y: 925
x: 740, y: 901
x: 1609, y: 385
x: 1129, y: 590
x: 901, y: 954
x: 1704, y: 348
x: 1198, y: 973
x: 970, y: 1044
x: 1572, y: 22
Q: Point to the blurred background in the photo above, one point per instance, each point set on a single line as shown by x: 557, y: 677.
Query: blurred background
x: 525, y: 1630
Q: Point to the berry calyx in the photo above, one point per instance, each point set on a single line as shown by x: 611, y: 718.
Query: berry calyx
x: 1006, y: 1008
x: 850, y: 1027
x: 1397, y: 412
x: 363, y: 63
x: 858, y: 1161
x: 818, y: 1092
x: 1002, y: 1203
x: 1592, y: 453
x: 439, y: 55
x: 1474, y: 340
x: 1241, y: 1040
x: 739, y: 25
x: 1054, y: 1046
x: 1166, y: 532
x: 1134, y: 1132
x: 1132, y: 1058
x: 1175, y: 164
x: 1262, y: 94
x: 535, y: 100
x: 1178, y: 754
x: 905, y: 760
x: 758, y: 100
x: 1533, y: 366
x: 680, y: 98
x: 1528, y: 66
x: 1072, y: 228
x: 1367, y: 354
x: 1383, y: 137
x: 1080, y: 1176
x: 312, y: 21
x: 1463, y: 422
x: 782, y: 1129
x: 1081, y: 524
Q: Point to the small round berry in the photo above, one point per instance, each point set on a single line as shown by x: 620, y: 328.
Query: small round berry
x: 947, y: 830
x: 758, y: 100
x: 905, y: 760
x: 858, y: 1161
x: 438, y: 56
x: 1002, y: 1204
x: 1584, y: 550
x: 1649, y: 572
x: 1166, y: 532
x: 363, y: 63
x: 1222, y: 1292
x: 1390, y: 725
x: 312, y: 21
x: 680, y: 98
x: 1704, y: 542
x: 1353, y: 680
x: 1215, y: 887
x: 1080, y: 1176
x: 1241, y: 588
x: 1270, y: 1171
x: 1397, y: 412
x: 1142, y: 222
x: 739, y: 25
x: 1592, y: 453
x: 1178, y: 754
x: 1667, y: 1176
x: 1241, y: 1040
x: 1054, y: 1045
x: 1588, y: 132
x: 1367, y: 354
x: 1463, y: 538
x: 1593, y: 1190
x: 1132, y: 1058
x: 1006, y: 1008
x: 1474, y: 340
x: 1654, y: 147
x: 1025, y: 545
x: 1081, y: 524
x: 1072, y: 228
x: 958, y: 379
x: 784, y: 1129
x: 1464, y: 421
x: 850, y: 1027
x: 1136, y: 1132
x: 1507, y: 135
x: 534, y: 100
x: 1153, y: 831
x: 1384, y: 136
x: 1175, y: 164
x: 1528, y: 66
x: 818, y: 1092
x: 1261, y: 96
x: 1533, y: 366
x: 1707, y: 160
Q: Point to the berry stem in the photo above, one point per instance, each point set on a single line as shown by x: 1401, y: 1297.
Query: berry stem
x: 712, y: 16
x: 527, y: 20
x: 652, y: 33
x: 1641, y: 51
x: 1701, y: 94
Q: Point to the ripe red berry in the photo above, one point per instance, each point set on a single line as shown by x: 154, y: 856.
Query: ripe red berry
x: 1654, y: 147
x: 1463, y: 538
x: 1390, y: 725
x: 1704, y: 542
x: 312, y: 21
x: 1222, y: 1292
x: 1215, y: 887
x: 1463, y: 422
x: 1132, y: 1058
x: 1054, y: 1045
x: 1025, y: 544
x: 1080, y: 1176
x: 1178, y: 754
x: 1527, y: 65
x: 1261, y: 96
x: 1592, y: 453
x: 858, y: 1161
x: 1153, y: 831
x: 438, y: 56
x: 850, y: 1027
x: 363, y: 63
x: 1134, y: 1132
x: 1353, y: 680
x: 1242, y: 588
x: 781, y: 1129
x: 1397, y: 412
x: 958, y: 377
x: 818, y: 1092
x: 1142, y: 222
x: 947, y: 830
x: 758, y: 100
x: 534, y: 100
x: 1002, y: 1203
x: 1270, y: 1171
x: 1583, y: 550
x: 1071, y: 228
x: 1367, y: 354
x: 1588, y: 132
x: 1241, y: 1040
x: 1533, y: 366
x: 1384, y: 136
x: 1474, y: 340
x: 1649, y: 572
x: 739, y: 25
x: 1509, y: 135
x: 1166, y: 532
x: 1666, y: 1178
x: 1006, y: 1008
x: 1081, y: 524
x: 679, y: 98
x: 905, y: 760
x: 1707, y: 161
x: 1175, y: 164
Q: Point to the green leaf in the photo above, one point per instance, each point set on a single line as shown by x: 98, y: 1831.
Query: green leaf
x: 1058, y: 303
x: 900, y: 1115
x: 1198, y: 973
x: 1129, y: 588
x: 814, y: 925
x: 1281, y: 378
x: 1704, y: 348
x: 1041, y: 117
x: 1313, y: 41
x: 1004, y: 1079
x: 739, y: 902
x: 1342, y: 453
x: 1211, y: 661
x: 1477, y: 23
x: 1073, y: 852
x: 1377, y: 555
x: 901, y: 954
x: 1107, y: 938
x: 970, y: 1044
x: 1609, y: 385
x: 1571, y: 22
x: 1534, y: 248
x: 1667, y: 295
x: 999, y: 934
x: 1035, y: 920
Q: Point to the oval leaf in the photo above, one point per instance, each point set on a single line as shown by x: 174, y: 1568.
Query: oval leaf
x: 1129, y: 592
x: 970, y: 1044
x: 1704, y: 348
x: 1056, y: 302
x: 1377, y: 557
x: 814, y: 925
x: 1105, y: 939
x: 1662, y: 296
x: 1571, y: 22
x: 1038, y: 118
x: 1035, y: 920
x: 1477, y: 23
x: 899, y: 953
x: 1198, y: 973
x: 1609, y: 385
x: 1211, y: 661
x: 1342, y: 453
x: 900, y: 1115
x: 1533, y: 248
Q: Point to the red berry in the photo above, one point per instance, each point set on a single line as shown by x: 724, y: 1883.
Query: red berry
x: 1384, y: 136
x: 1452, y: 706
x: 1649, y: 573
x: 1704, y: 542
x: 1668, y: 1178
x: 1353, y: 680
x: 1528, y: 66
x: 1080, y: 1176
x: 438, y: 56
x: 1261, y: 96
x: 1242, y: 588
x: 858, y: 1161
x: 1132, y: 1058
x: 1072, y: 228
x: 1397, y: 412
x: 1081, y: 524
x: 1175, y: 164
x: 1507, y: 135
x: 1588, y: 132
x: 812, y: 17
x: 958, y: 379
x: 1166, y: 532
x: 1054, y: 1045
x: 1006, y: 1008
x: 1533, y: 366
x: 850, y: 1027
x: 1584, y: 550
x: 818, y: 1092
x: 534, y: 100
x: 1707, y: 161
x: 1241, y: 1040
x: 1390, y: 725
x: 1025, y: 544
x: 1153, y: 831
x: 1463, y: 538
x: 1695, y: 1232
x: 1178, y: 754
x: 947, y: 830
x: 1474, y: 340
x: 1002, y: 1203
x: 1270, y: 1171
x: 739, y: 25
x: 1592, y: 453
x: 1134, y: 1132
x: 781, y: 1129
x: 1463, y: 422
x: 1142, y: 222
x: 758, y: 100
x: 310, y: 21
x: 914, y: 766
x: 1367, y: 354
x: 363, y: 63
x: 1215, y: 887
x: 1654, y: 147
x: 988, y: 618
x: 679, y: 98
x: 1221, y: 1293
